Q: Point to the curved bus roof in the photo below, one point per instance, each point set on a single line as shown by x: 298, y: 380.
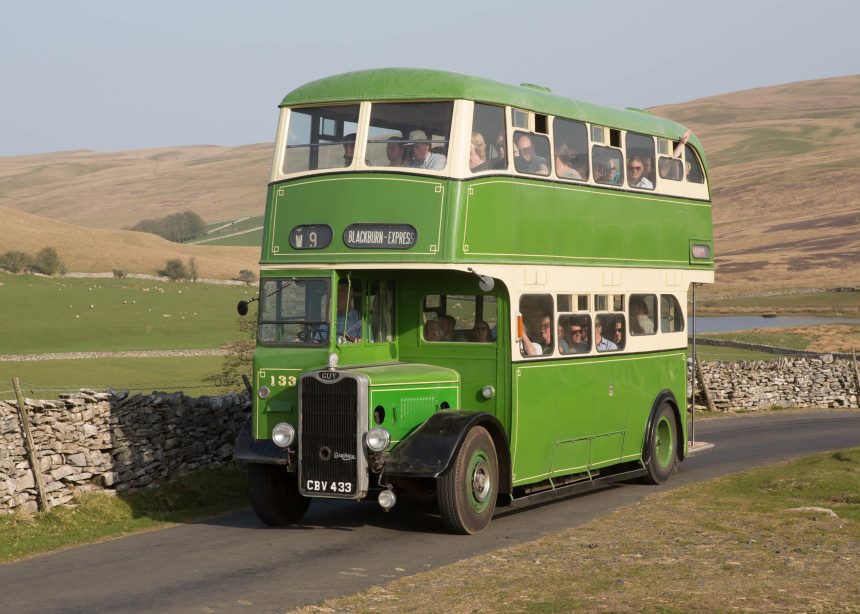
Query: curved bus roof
x: 427, y: 84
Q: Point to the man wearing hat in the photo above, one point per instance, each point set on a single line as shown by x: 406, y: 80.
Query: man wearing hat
x: 422, y: 157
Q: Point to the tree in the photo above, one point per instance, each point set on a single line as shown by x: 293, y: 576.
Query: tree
x: 177, y: 227
x: 192, y: 265
x: 247, y: 276
x: 15, y: 262
x: 48, y: 261
x: 238, y: 360
x: 175, y: 270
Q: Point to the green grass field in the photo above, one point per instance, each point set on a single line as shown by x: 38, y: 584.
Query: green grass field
x: 46, y: 379
x: 43, y: 314
x: 712, y: 352
x: 224, y: 229
x: 830, y: 302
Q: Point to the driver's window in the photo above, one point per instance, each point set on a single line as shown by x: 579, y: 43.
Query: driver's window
x: 348, y: 321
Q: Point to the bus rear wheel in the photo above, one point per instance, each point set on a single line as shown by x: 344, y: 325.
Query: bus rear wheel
x: 275, y: 494
x: 661, y: 449
x: 467, y: 490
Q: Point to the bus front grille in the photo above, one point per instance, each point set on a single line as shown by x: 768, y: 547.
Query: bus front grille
x: 330, y: 458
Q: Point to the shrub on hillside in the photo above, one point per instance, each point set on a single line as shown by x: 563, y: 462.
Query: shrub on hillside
x: 48, y: 261
x: 119, y: 274
x: 175, y: 270
x: 177, y: 227
x: 238, y: 360
x: 247, y: 276
x: 15, y: 262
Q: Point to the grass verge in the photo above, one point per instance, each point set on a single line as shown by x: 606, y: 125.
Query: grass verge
x: 46, y: 379
x: 735, y: 543
x: 97, y: 515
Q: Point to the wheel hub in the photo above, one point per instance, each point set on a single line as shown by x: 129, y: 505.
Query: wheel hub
x: 481, y: 481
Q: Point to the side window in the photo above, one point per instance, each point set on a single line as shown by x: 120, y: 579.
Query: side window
x: 570, y: 142
x: 694, y: 169
x: 320, y: 137
x: 531, y: 153
x: 488, y: 141
x: 574, y: 334
x: 604, y: 331
x: 457, y: 318
x: 640, y: 161
x: 381, y: 312
x: 670, y: 168
x: 671, y: 317
x: 537, y: 334
x: 643, y: 310
x: 607, y: 165
x: 409, y: 134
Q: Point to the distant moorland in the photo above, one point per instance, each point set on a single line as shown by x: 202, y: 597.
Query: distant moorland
x: 784, y: 166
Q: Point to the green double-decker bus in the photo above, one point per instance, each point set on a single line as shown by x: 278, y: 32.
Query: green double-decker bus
x: 472, y: 294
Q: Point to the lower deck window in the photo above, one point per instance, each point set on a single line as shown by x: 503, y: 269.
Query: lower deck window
x: 460, y: 318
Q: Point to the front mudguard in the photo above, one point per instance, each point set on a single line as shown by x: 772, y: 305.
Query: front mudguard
x: 428, y: 451
x: 262, y: 451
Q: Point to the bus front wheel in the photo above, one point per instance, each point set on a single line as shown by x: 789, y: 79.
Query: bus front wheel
x: 662, y: 446
x: 275, y: 494
x: 467, y: 490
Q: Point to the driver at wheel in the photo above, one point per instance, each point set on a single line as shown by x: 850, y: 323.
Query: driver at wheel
x: 348, y: 323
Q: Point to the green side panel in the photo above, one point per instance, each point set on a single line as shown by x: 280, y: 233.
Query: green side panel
x: 518, y: 220
x: 586, y: 413
x: 409, y: 406
x: 412, y: 374
x: 343, y: 199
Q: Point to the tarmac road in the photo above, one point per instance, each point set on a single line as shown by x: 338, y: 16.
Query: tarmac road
x: 235, y: 564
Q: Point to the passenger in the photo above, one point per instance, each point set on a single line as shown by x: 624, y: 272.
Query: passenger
x: 481, y: 332
x: 396, y: 152
x: 432, y: 330
x: 578, y: 338
x: 679, y: 147
x: 618, y: 337
x: 478, y: 153
x: 499, y: 160
x: 422, y: 157
x: 348, y: 148
x: 613, y: 172
x: 563, y: 345
x: 448, y: 324
x: 530, y: 348
x: 636, y: 169
x: 563, y: 167
x: 640, y: 322
x: 600, y: 342
x: 600, y: 174
x: 348, y: 322
x: 527, y: 161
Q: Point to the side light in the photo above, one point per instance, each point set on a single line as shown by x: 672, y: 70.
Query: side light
x: 700, y: 251
x: 377, y: 439
x: 283, y: 434
x: 488, y: 392
x: 263, y: 392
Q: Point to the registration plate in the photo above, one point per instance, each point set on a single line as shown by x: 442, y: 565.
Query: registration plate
x: 329, y: 487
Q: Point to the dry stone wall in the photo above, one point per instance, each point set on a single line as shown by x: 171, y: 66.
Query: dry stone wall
x: 97, y: 440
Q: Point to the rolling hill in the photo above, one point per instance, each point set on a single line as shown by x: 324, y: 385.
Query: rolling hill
x: 784, y: 164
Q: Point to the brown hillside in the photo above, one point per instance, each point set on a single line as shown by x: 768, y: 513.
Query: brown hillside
x: 118, y: 189
x: 785, y: 178
x: 99, y: 250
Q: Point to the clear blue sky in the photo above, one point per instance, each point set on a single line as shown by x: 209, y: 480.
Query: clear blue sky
x: 113, y: 75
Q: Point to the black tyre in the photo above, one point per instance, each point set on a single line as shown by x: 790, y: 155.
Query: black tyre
x: 275, y: 494
x: 661, y: 448
x: 467, y: 490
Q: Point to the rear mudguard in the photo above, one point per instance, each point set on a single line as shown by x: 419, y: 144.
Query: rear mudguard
x: 428, y: 450
x: 263, y: 451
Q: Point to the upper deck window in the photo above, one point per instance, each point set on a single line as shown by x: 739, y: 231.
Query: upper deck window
x: 531, y: 153
x: 409, y: 134
x: 640, y: 161
x: 321, y: 137
x: 570, y: 141
x: 488, y: 142
x: 694, y: 169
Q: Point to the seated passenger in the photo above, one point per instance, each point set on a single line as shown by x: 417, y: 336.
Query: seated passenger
x: 563, y: 167
x: 477, y: 153
x: 499, y: 159
x: 481, y: 332
x: 640, y: 322
x: 527, y: 161
x: 348, y: 323
x: 447, y: 325
x: 579, y: 338
x: 432, y: 331
x: 613, y: 172
x: 563, y: 345
x: 600, y: 342
x: 396, y: 151
x: 348, y: 148
x: 530, y: 348
x: 636, y: 170
x: 422, y: 157
x: 618, y: 337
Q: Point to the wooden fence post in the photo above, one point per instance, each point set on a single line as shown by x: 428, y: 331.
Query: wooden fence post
x: 856, y: 374
x: 31, y: 448
x: 704, y: 386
